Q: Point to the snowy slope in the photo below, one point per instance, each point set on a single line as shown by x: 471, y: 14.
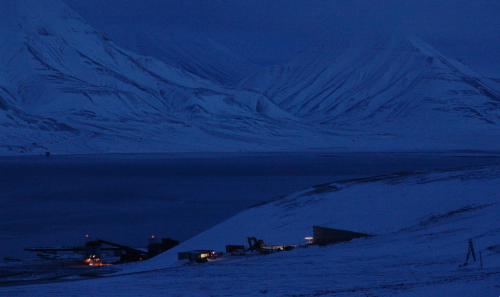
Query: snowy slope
x: 391, y: 85
x: 421, y: 221
x: 379, y: 206
x: 189, y: 51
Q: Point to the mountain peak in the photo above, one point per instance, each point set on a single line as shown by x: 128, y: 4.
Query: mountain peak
x: 36, y: 11
x: 63, y: 80
x: 400, y: 80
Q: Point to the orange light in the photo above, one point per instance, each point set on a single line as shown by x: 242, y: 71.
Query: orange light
x: 87, y: 235
x: 153, y: 236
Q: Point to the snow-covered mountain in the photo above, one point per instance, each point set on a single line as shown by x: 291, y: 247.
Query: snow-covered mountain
x: 189, y: 51
x: 390, y: 84
x: 67, y: 88
x: 54, y: 66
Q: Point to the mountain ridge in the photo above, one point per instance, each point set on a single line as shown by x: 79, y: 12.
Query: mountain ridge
x: 60, y: 68
x: 328, y: 87
x: 193, y: 52
x: 68, y: 87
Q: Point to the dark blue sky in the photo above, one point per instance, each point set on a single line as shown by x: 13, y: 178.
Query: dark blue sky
x: 267, y: 31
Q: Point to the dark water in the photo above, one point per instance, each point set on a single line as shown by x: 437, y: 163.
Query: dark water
x: 58, y: 200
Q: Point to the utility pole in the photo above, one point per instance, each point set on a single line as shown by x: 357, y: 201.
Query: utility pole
x: 469, y: 252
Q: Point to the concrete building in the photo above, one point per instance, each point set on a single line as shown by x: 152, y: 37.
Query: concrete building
x: 323, y: 235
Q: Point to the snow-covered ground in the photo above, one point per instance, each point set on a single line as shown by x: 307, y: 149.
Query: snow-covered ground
x: 421, y: 221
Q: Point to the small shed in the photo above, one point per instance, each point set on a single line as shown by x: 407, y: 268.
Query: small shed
x: 232, y: 247
x: 323, y: 235
x: 196, y: 255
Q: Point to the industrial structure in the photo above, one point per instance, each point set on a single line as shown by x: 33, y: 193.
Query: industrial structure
x: 93, y: 250
x: 323, y: 235
x: 155, y: 247
x: 199, y: 256
x: 255, y: 245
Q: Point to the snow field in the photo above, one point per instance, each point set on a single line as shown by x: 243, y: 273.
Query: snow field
x: 422, y: 223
